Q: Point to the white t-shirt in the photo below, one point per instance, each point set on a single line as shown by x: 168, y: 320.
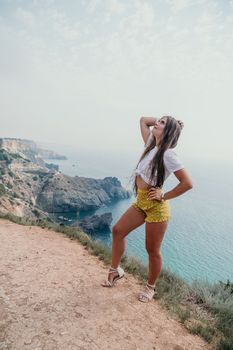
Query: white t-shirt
x: 171, y: 163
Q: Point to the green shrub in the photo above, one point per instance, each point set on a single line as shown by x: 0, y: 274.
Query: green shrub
x: 2, y: 171
x: 5, y: 156
x: 207, y: 332
x: 225, y: 344
x: 36, y: 212
x: 16, y: 156
x: 2, y: 190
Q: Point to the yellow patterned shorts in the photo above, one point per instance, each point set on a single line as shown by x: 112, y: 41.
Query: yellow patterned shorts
x: 154, y: 210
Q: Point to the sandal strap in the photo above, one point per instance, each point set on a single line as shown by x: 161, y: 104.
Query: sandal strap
x: 113, y: 268
x: 148, y: 294
x: 119, y: 270
x: 151, y: 286
x: 107, y: 283
x: 112, y: 271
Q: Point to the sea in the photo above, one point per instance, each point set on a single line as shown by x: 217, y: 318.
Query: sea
x: 198, y: 244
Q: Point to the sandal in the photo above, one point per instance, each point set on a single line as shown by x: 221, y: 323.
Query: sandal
x: 120, y: 272
x: 148, y: 294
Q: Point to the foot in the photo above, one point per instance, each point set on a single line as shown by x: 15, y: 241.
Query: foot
x: 148, y: 294
x: 113, y: 276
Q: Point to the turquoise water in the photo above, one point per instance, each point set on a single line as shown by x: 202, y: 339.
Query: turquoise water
x: 199, y: 240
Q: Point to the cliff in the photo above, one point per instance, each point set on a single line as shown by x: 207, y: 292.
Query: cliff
x: 47, y: 154
x: 30, y: 188
x: 28, y: 149
x: 62, y: 193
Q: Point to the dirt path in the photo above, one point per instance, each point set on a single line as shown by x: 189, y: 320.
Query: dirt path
x: 51, y: 299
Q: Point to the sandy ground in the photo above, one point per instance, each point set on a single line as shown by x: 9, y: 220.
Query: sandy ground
x: 51, y: 298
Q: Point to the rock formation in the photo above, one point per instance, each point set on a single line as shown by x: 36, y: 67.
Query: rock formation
x: 28, y: 187
x: 61, y: 193
x: 95, y: 223
x: 28, y: 149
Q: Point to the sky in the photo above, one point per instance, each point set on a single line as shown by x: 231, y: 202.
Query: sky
x: 82, y: 72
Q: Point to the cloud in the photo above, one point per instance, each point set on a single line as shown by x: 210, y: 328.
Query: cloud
x: 103, y: 61
x: 26, y: 17
x: 92, y: 5
x: 116, y: 7
x: 179, y: 6
x: 63, y: 28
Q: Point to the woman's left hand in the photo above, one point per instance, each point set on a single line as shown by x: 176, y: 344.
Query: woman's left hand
x: 155, y: 193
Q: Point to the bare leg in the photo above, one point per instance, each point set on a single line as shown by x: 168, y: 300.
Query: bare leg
x: 130, y: 220
x: 154, y: 236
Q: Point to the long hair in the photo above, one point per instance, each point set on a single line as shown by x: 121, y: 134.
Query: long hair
x: 169, y: 139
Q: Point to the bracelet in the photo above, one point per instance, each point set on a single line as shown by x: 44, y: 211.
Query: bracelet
x: 162, y: 198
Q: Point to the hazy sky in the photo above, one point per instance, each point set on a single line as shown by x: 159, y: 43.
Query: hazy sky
x: 82, y: 72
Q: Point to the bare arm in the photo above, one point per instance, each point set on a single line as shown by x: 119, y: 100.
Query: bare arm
x: 185, y: 184
x: 145, y: 123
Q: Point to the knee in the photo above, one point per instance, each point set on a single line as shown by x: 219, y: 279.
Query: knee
x: 116, y: 232
x: 153, y: 253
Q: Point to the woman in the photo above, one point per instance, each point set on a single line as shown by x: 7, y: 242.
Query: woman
x: 157, y: 162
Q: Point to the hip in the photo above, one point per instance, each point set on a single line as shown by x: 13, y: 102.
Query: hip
x: 154, y: 210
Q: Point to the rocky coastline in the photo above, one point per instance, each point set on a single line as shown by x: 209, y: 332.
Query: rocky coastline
x: 30, y: 187
x: 95, y: 223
